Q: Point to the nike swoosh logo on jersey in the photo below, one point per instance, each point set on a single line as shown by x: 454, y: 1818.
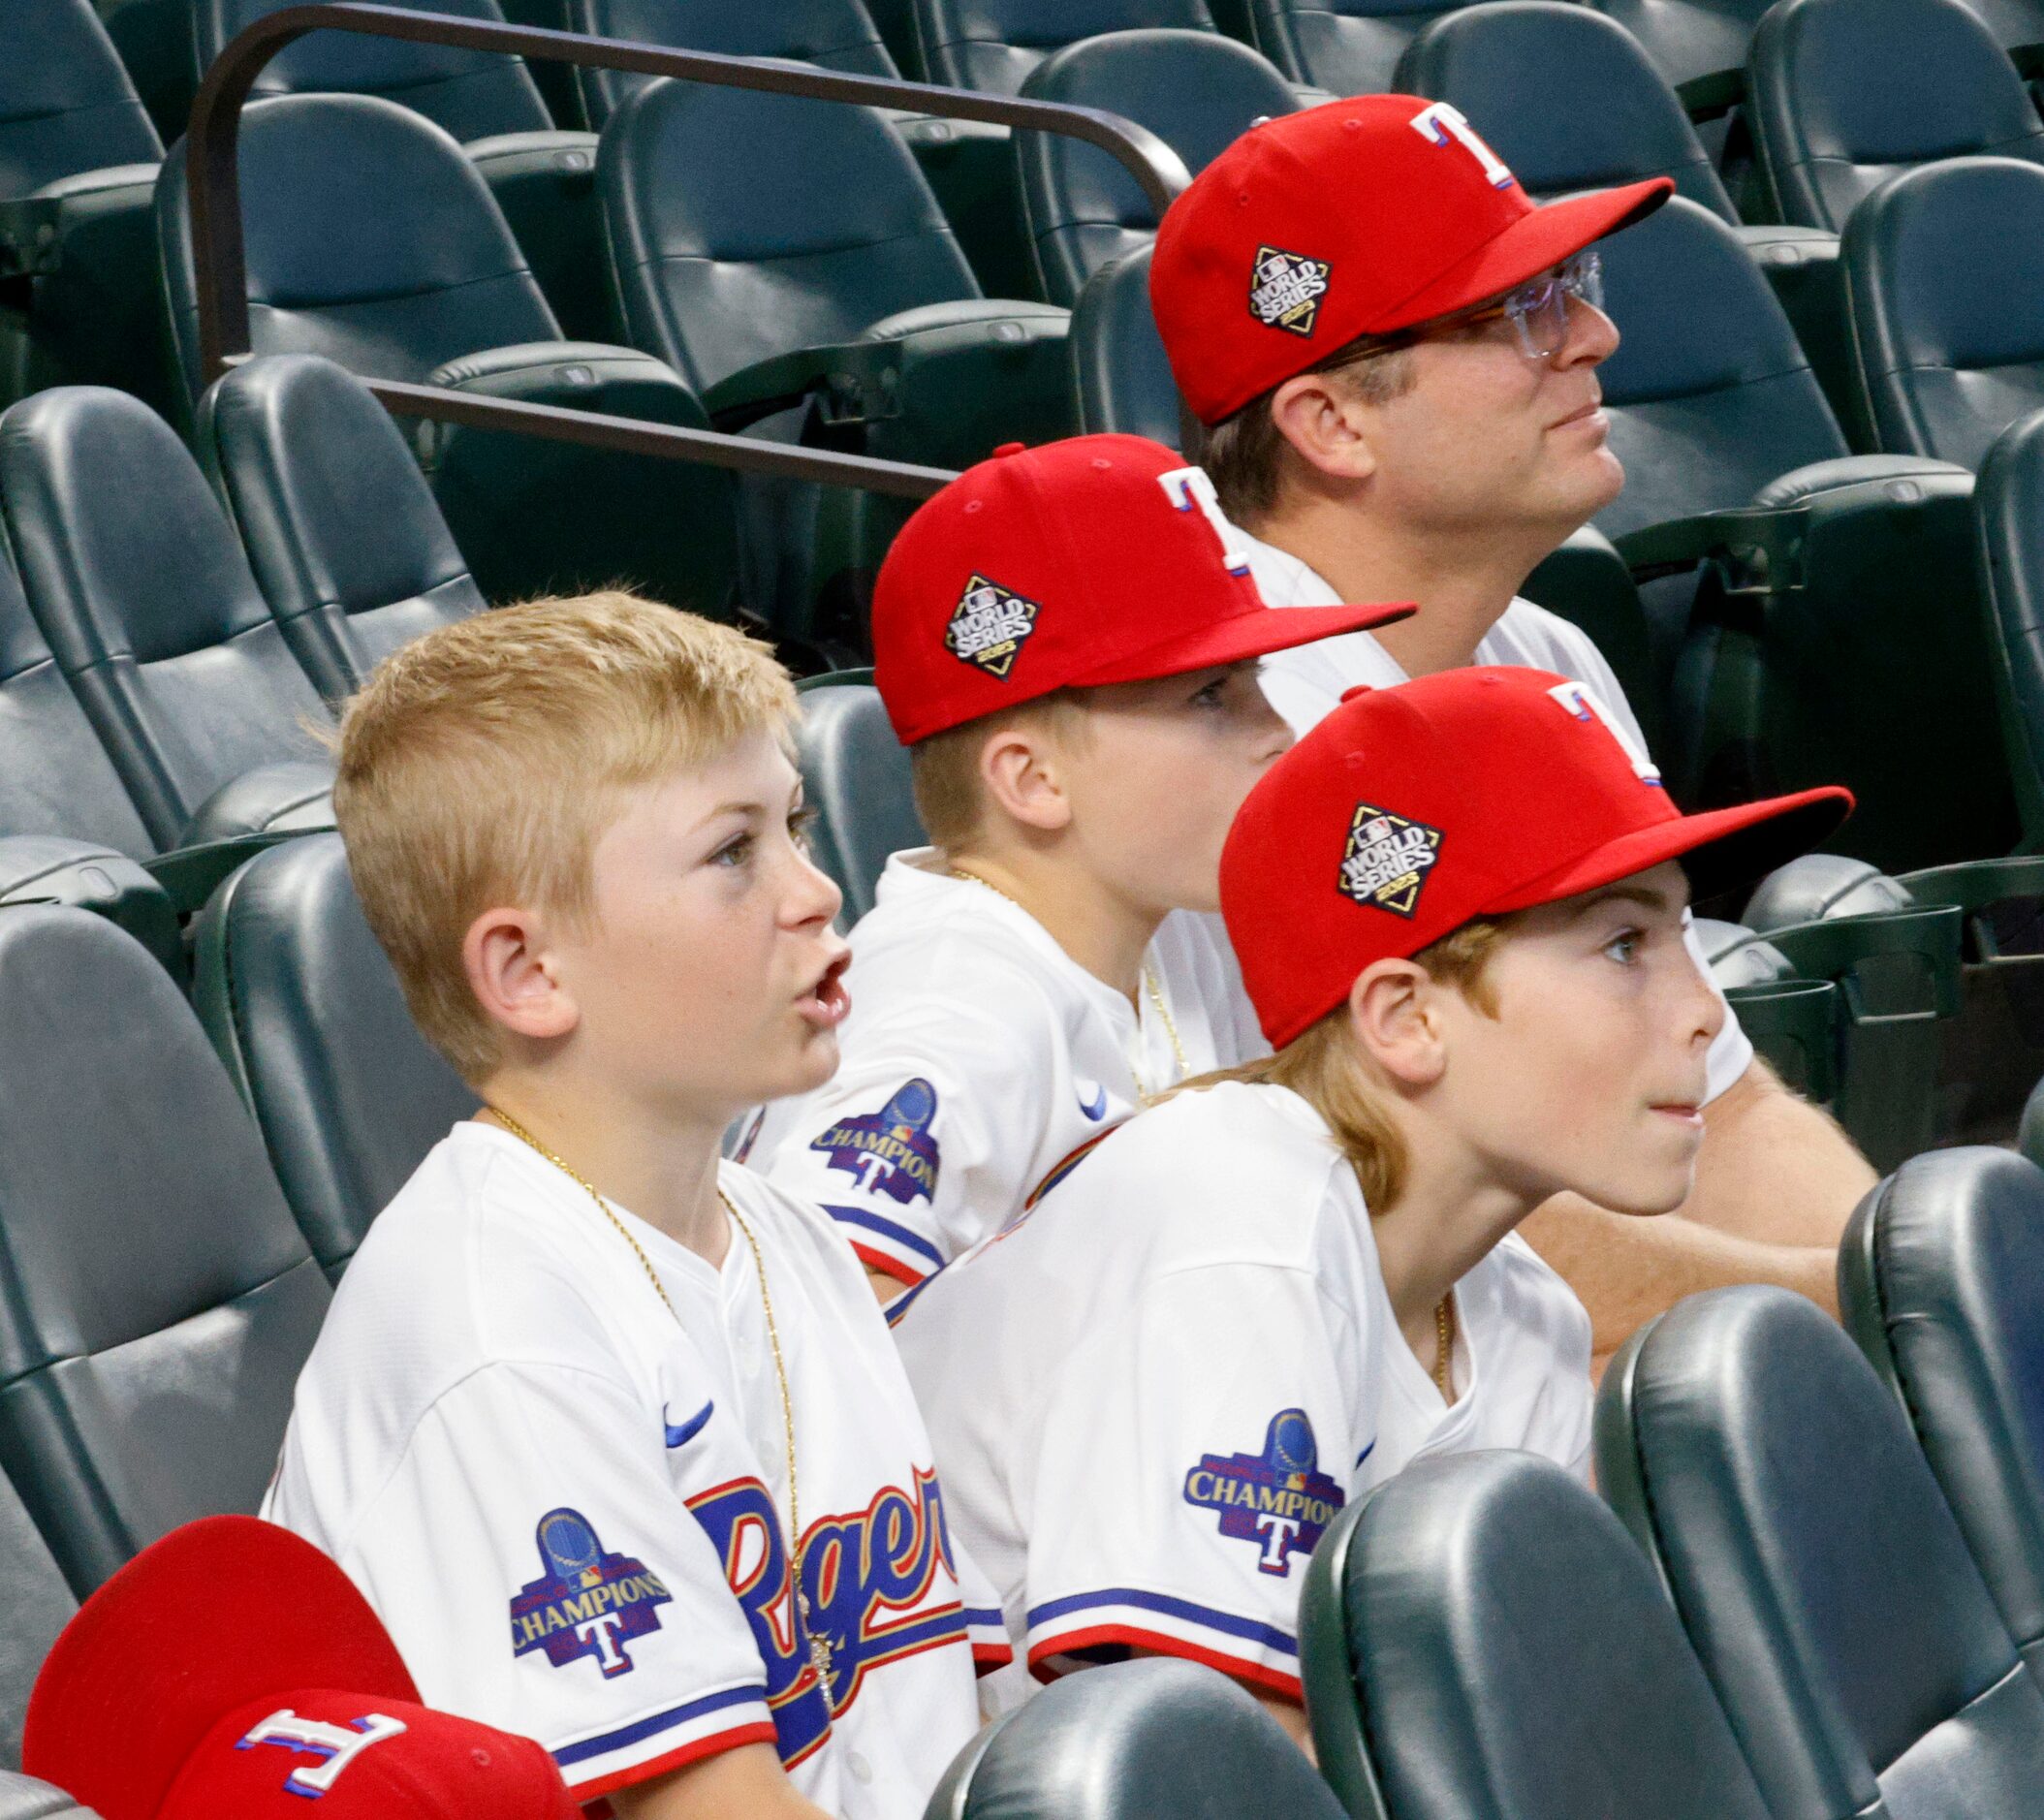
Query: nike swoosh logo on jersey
x: 689, y: 1429
x: 1096, y: 1107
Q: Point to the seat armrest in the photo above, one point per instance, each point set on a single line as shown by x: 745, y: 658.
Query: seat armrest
x: 522, y: 368
x: 1760, y: 546
x: 1977, y: 887
x: 556, y: 146
x: 1834, y: 949
x: 30, y: 246
x: 48, y: 868
x: 1706, y: 97
x: 294, y: 797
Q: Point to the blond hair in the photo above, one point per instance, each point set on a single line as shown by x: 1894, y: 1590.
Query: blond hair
x: 1321, y: 1065
x: 481, y: 762
x: 944, y: 769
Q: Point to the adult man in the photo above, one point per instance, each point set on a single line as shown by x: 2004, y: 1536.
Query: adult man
x: 1395, y: 353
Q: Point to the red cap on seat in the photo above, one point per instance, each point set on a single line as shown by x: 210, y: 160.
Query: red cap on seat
x: 1355, y: 218
x: 1097, y: 560
x: 233, y: 1670
x: 1408, y: 811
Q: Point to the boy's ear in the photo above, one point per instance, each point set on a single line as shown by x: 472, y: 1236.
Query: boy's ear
x: 1328, y: 427
x: 1021, y: 774
x: 1392, y: 1010
x: 513, y: 976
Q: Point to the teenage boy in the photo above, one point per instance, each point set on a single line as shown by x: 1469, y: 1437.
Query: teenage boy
x: 612, y: 1436
x: 1395, y: 353
x: 1066, y: 640
x: 1458, y: 909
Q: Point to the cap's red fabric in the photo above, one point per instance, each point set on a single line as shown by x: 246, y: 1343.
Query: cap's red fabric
x: 1409, y: 811
x: 1096, y: 560
x: 141, y: 1702
x: 1357, y: 217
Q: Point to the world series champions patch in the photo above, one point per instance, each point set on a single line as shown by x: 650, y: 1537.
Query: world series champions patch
x: 890, y: 1151
x: 1278, y: 1500
x: 989, y: 626
x: 1388, y: 859
x: 589, y: 1602
x: 1286, y: 289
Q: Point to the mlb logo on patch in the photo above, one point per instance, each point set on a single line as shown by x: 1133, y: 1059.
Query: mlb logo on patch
x: 989, y: 626
x: 1286, y: 289
x: 589, y: 1602
x: 1388, y: 859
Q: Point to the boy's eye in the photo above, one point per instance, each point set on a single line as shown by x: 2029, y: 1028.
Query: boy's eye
x: 733, y: 852
x: 1625, y: 946
x: 1210, y: 696
x: 801, y: 826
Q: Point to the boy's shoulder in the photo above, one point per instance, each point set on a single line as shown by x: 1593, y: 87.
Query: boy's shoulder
x: 1523, y: 1293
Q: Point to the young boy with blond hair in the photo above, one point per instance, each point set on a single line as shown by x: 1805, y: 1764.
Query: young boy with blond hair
x: 610, y: 1435
x: 1066, y: 639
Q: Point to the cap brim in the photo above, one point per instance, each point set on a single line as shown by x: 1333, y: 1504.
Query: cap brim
x: 1530, y: 246
x: 1718, y: 849
x: 218, y: 1615
x: 1245, y: 636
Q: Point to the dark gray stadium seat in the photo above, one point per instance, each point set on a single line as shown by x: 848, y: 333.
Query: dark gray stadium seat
x: 993, y: 44
x: 1818, y: 1571
x: 144, y: 595
x: 856, y: 777
x: 1347, y: 47
x: 304, y: 1009
x: 78, y: 157
x: 1942, y: 1282
x: 1847, y: 93
x: 340, y: 526
x: 161, y: 1299
x: 1481, y: 1641
x: 2008, y: 506
x: 1196, y: 91
x: 37, y: 1604
x: 1122, y: 372
x: 1131, y: 1740
x: 1691, y: 41
x: 24, y: 1798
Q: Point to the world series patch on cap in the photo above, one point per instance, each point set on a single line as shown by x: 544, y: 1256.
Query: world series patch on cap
x: 1409, y: 811
x: 1097, y: 560
x: 1356, y: 217
x: 233, y: 1672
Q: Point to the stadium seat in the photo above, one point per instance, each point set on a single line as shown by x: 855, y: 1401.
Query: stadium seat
x: 993, y: 45
x: 1121, y: 373
x: 1481, y: 1641
x: 161, y: 1301
x: 2008, y: 505
x: 38, y: 1604
x: 1699, y: 46
x: 1130, y: 1740
x: 1346, y: 46
x: 340, y: 526
x: 24, y: 1798
x: 1944, y: 272
x: 304, y: 1009
x: 543, y: 178
x: 154, y: 40
x: 1942, y: 1282
x: 1817, y: 1569
x: 1196, y: 91
x: 1847, y: 93
x: 370, y: 238
x: 856, y: 777
x: 77, y: 158
x: 139, y: 586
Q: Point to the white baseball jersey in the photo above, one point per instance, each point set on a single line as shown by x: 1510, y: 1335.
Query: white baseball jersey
x: 1183, y: 1361
x: 978, y: 1054
x: 566, y: 1504
x: 1306, y: 682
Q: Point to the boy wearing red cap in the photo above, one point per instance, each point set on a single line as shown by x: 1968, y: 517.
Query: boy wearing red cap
x: 1066, y: 640
x: 1458, y: 909
x: 1395, y: 355
x: 610, y: 1435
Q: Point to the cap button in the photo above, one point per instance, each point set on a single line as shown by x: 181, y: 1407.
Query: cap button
x: 1010, y: 448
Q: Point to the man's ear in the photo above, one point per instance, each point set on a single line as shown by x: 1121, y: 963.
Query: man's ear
x: 1020, y: 772
x: 1393, y: 1011
x: 514, y: 977
x: 1327, y: 426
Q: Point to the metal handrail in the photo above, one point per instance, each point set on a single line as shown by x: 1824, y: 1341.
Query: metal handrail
x: 221, y: 273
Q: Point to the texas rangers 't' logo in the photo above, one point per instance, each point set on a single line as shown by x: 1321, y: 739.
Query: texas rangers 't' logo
x: 588, y: 1602
x: 1278, y: 1500
x: 891, y: 1151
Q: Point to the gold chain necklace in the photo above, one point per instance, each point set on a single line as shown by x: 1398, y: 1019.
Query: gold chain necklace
x: 1150, y: 984
x: 1444, y: 1340
x: 819, y: 1647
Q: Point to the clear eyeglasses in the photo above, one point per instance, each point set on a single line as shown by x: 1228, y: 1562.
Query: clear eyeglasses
x: 1538, y: 310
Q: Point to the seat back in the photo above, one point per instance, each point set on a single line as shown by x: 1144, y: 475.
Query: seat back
x: 369, y: 238
x: 1480, y: 1639
x: 1847, y: 93
x: 722, y: 261
x: 1688, y: 39
x: 143, y: 592
x: 2008, y: 508
x: 38, y: 1604
x: 831, y: 33
x: 1817, y: 1569
x: 1944, y: 281
x: 2015, y: 24
x: 1566, y: 96
x: 856, y: 776
x: 302, y: 1007
x: 1349, y: 46
x: 161, y: 1301
x: 65, y: 102
x: 1708, y: 393
x: 339, y: 524
x: 992, y: 45
x: 471, y: 93
x: 1196, y: 91
x: 1129, y: 1740
x: 1122, y: 373
x: 24, y: 1798
x: 1941, y: 1281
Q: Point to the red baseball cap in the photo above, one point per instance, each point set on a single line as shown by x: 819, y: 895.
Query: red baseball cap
x: 1476, y: 792
x: 1099, y: 559
x: 233, y: 1670
x: 1354, y: 218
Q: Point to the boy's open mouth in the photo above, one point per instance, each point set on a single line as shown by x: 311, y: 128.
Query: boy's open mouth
x: 827, y: 1002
